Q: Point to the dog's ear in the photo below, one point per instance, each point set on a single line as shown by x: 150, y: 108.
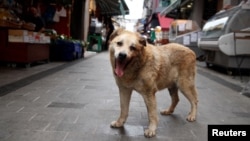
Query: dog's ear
x: 143, y: 41
x: 115, y: 33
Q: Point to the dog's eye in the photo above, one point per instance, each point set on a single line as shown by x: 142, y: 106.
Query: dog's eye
x: 133, y: 48
x: 119, y: 43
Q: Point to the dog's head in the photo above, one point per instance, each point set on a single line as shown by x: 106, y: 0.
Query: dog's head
x: 125, y: 49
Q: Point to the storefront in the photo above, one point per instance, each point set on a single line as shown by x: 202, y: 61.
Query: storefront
x: 29, y: 28
x: 63, y: 22
x: 101, y: 21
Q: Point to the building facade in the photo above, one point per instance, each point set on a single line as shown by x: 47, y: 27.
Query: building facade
x: 197, y: 10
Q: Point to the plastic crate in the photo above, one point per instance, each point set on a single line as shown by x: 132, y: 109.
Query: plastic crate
x: 95, y: 42
x: 63, y: 50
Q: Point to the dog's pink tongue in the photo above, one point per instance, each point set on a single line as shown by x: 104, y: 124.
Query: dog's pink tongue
x: 119, y: 69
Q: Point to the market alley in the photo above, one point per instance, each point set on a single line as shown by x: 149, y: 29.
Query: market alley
x: 77, y: 102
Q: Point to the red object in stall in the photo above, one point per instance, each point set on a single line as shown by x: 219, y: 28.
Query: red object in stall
x: 165, y: 22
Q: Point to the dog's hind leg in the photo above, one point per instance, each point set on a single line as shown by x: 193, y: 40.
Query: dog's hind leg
x: 187, y: 87
x: 174, y: 101
x: 125, y: 95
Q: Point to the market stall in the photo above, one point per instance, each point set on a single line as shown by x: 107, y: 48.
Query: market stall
x: 225, y: 38
x: 19, y: 42
x: 24, y: 37
x: 186, y: 32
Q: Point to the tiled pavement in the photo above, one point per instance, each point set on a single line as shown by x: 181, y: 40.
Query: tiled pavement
x: 77, y: 101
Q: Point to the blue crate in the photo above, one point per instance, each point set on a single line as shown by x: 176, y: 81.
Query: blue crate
x: 64, y: 50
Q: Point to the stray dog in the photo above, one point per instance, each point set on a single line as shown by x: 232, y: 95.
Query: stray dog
x: 146, y: 69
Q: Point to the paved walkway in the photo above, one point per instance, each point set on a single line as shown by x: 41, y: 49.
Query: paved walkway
x: 76, y: 101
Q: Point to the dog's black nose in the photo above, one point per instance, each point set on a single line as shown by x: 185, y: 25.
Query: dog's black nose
x: 122, y: 56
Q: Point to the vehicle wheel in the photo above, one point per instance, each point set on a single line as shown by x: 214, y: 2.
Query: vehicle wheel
x: 208, y: 65
x: 27, y: 65
x: 13, y: 65
x: 47, y: 61
x: 229, y: 72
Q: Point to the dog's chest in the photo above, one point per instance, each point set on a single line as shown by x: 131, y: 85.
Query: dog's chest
x: 141, y: 85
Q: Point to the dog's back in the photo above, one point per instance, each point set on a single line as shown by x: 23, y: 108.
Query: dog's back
x: 177, y: 54
x: 167, y: 63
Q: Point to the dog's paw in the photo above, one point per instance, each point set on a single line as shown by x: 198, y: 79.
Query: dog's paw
x: 149, y: 133
x: 191, y: 118
x: 116, y: 124
x: 166, y: 112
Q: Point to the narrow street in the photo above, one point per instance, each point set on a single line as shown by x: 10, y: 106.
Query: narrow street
x: 77, y: 101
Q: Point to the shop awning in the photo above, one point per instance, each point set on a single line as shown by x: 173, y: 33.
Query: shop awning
x: 112, y: 7
x: 164, y: 22
x: 172, y: 9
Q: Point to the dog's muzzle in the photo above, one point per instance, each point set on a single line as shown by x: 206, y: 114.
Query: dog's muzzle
x: 122, y: 56
x: 121, y: 62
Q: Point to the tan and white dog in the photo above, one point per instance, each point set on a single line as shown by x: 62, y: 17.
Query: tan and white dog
x: 146, y: 69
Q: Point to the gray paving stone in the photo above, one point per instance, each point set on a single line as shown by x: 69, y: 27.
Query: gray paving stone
x: 41, y: 110
x: 11, y: 126
x: 72, y: 127
x: 66, y: 105
x: 89, y: 137
x: 15, y: 116
x: 26, y: 135
x: 4, y: 108
x: 127, y: 130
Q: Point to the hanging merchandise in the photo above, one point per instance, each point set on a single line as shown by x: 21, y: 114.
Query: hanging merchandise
x: 60, y: 12
x: 63, y: 12
x: 56, y: 17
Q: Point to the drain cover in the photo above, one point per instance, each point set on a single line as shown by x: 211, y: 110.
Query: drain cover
x: 66, y: 105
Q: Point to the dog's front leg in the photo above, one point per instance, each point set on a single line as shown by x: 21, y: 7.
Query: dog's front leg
x: 125, y: 95
x: 150, y: 102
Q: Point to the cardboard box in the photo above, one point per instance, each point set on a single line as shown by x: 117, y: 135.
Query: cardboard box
x: 16, y: 35
x: 27, y: 36
x: 17, y: 32
x: 16, y: 38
